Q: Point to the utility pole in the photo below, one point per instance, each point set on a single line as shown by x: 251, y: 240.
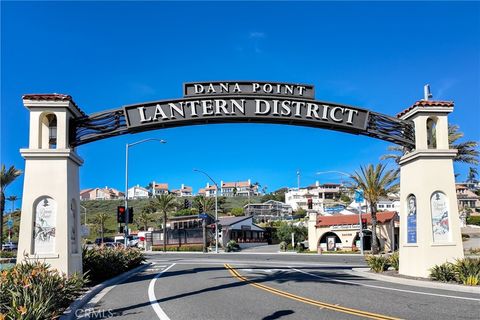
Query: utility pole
x: 298, y: 179
x: 216, y: 212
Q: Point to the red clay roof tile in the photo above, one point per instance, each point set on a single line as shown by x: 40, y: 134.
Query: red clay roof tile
x: 427, y: 103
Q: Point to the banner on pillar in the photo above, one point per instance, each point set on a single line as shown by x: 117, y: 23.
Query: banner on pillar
x: 45, y: 222
x: 440, y: 223
x: 412, y: 219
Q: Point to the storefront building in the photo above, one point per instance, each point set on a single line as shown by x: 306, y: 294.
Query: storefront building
x: 341, y: 232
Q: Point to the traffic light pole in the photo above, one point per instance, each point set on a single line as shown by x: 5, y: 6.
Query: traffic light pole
x: 361, y: 226
x: 126, y: 197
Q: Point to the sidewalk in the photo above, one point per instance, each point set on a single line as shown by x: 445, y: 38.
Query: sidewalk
x: 365, y: 272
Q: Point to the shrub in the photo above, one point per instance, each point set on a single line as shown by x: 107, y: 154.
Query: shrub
x: 232, y: 245
x: 183, y: 248
x: 444, y: 272
x: 8, y: 254
x: 377, y: 263
x: 475, y: 220
x: 474, y: 250
x: 467, y: 271
x: 393, y: 260
x: 283, y: 246
x: 104, y: 263
x: 32, y: 290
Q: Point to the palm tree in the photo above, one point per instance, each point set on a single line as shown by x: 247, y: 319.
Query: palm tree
x: 165, y: 203
x: 12, y: 199
x: 472, y: 175
x: 375, y: 183
x: 6, y: 178
x: 207, y: 203
x: 467, y: 152
x: 100, y: 219
x: 145, y: 216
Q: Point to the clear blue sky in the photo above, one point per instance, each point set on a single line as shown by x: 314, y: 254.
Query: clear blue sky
x: 375, y: 55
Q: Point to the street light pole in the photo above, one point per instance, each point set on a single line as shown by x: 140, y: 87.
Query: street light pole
x: 216, y: 207
x: 127, y: 213
x: 85, y: 211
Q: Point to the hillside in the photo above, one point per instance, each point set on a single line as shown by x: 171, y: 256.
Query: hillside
x: 95, y: 207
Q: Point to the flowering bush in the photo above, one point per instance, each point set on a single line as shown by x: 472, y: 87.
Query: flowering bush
x: 32, y: 290
x: 103, y: 263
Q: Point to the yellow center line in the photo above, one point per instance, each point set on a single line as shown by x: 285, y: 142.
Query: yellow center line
x: 316, y: 303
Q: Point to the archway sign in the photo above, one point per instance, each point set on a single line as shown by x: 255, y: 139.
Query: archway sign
x: 50, y: 225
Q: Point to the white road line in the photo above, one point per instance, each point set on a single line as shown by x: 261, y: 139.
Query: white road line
x: 385, y: 288
x: 151, y: 295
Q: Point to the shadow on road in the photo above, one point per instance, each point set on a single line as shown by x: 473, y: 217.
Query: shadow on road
x: 278, y: 314
x: 277, y: 275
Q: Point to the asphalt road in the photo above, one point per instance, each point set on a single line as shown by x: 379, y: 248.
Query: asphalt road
x: 254, y: 286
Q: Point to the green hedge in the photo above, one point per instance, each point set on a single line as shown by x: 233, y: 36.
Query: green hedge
x: 104, y: 263
x: 474, y: 220
x: 183, y: 248
x: 32, y: 290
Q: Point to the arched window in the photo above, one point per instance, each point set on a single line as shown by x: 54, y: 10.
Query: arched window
x: 48, y: 131
x: 431, y: 133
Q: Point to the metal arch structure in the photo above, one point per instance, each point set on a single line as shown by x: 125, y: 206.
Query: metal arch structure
x: 125, y: 120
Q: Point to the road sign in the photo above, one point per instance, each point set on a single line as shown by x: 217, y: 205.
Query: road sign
x: 359, y: 196
x: 203, y: 216
x: 85, y: 231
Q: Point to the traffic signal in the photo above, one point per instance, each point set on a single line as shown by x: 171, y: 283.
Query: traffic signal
x: 219, y: 228
x: 310, y: 203
x: 121, y: 214
x: 200, y: 208
x: 186, y: 204
x: 130, y: 215
x: 364, y: 223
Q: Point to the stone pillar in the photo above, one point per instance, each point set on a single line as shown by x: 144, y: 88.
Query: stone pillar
x: 312, y: 231
x: 50, y: 220
x: 430, y: 226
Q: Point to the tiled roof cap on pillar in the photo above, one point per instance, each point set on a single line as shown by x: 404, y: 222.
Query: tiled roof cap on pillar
x: 426, y: 103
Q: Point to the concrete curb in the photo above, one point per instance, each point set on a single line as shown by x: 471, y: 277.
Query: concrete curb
x: 365, y: 272
x: 69, y: 313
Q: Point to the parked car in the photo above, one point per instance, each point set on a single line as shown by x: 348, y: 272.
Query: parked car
x: 99, y: 241
x: 9, y: 246
x: 303, y: 245
x: 132, y: 240
x: 112, y: 244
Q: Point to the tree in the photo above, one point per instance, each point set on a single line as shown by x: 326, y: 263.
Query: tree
x: 376, y: 183
x: 472, y: 175
x: 12, y: 199
x: 285, y: 230
x: 205, y: 203
x: 237, y: 212
x: 467, y: 152
x: 100, y: 219
x: 145, y: 216
x: 300, y: 214
x: 6, y: 178
x: 165, y: 203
